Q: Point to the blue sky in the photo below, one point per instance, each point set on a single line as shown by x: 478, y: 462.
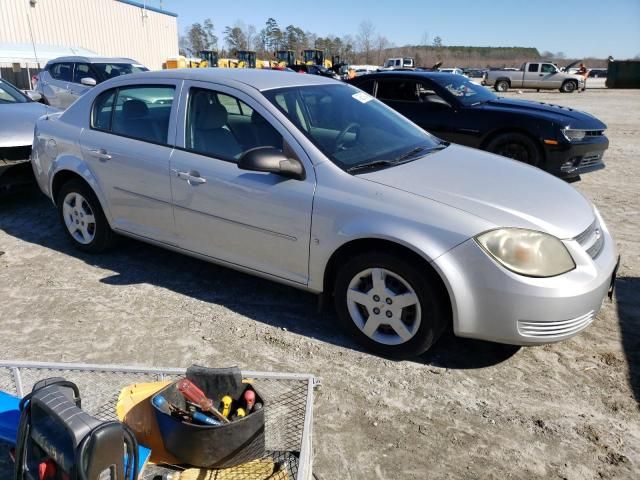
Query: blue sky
x: 576, y: 27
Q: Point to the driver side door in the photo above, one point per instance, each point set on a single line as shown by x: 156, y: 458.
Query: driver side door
x: 255, y: 220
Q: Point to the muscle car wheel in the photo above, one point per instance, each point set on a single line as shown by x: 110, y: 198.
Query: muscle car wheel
x: 83, y: 218
x: 516, y: 146
x: 389, y: 304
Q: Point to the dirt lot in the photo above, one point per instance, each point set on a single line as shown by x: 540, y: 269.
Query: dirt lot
x: 467, y: 409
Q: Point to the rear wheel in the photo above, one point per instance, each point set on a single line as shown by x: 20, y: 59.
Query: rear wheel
x: 516, y: 146
x: 569, y: 86
x: 390, y: 305
x: 501, y: 86
x: 82, y: 217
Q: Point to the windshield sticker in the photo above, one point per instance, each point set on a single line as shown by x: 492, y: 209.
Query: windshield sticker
x: 362, y: 97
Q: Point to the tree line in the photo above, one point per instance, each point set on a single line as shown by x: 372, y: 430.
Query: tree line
x: 367, y: 46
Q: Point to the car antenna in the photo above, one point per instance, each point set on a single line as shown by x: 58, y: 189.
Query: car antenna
x: 33, y: 3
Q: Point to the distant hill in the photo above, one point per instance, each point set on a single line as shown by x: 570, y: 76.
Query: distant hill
x: 482, y: 57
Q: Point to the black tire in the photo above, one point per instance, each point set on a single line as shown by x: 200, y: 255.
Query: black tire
x: 569, y: 86
x: 516, y: 146
x: 103, y: 236
x: 501, y: 86
x: 433, y: 303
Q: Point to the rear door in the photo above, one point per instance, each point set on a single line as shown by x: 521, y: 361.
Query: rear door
x: 532, y: 76
x: 128, y: 147
x: 256, y: 220
x: 57, y: 86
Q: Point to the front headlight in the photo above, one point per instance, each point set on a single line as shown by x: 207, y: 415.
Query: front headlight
x: 527, y: 252
x: 573, y: 135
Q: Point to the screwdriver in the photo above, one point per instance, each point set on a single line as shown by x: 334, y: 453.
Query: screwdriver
x: 226, y: 405
x: 192, y: 393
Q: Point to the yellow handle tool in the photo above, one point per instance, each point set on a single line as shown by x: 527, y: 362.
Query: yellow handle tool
x: 226, y: 405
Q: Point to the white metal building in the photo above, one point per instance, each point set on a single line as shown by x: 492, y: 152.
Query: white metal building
x: 112, y: 28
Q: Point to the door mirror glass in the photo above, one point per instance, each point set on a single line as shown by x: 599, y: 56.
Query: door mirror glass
x: 88, y: 81
x: 272, y: 160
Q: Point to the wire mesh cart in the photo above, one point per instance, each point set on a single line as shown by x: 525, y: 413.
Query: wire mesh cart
x: 288, y: 406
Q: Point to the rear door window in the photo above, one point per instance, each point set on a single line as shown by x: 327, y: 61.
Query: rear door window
x: 62, y: 71
x: 533, y: 67
x: 141, y: 112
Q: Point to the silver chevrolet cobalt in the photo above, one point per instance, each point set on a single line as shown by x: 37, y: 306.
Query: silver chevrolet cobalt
x: 313, y: 183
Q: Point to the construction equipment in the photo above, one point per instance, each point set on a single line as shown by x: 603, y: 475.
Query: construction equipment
x: 315, y: 57
x: 286, y: 58
x: 209, y: 56
x: 185, y: 62
x: 246, y: 59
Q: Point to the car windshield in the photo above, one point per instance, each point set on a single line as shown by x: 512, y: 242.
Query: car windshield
x: 465, y: 91
x: 351, y: 127
x: 111, y: 70
x: 10, y: 94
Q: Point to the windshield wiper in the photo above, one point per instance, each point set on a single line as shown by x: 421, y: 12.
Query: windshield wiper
x: 371, y: 165
x: 398, y: 160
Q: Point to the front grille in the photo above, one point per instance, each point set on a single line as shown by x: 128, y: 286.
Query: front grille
x: 593, y: 133
x: 534, y: 329
x: 15, y: 153
x: 592, y: 239
x: 590, y: 159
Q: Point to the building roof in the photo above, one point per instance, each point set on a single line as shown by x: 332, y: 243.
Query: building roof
x: 147, y: 7
x: 253, y: 77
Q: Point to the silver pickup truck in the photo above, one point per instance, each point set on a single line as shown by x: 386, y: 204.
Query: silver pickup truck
x: 536, y: 75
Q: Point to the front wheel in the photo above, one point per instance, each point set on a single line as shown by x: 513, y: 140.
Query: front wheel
x: 517, y: 147
x: 569, y: 87
x: 390, y: 305
x: 82, y: 217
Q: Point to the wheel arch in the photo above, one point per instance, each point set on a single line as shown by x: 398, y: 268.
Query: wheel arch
x: 64, y: 175
x: 370, y: 244
x: 500, y: 79
x: 500, y: 131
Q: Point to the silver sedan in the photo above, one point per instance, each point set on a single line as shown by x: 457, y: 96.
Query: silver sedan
x: 313, y: 183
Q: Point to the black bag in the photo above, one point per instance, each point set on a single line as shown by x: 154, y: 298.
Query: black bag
x: 206, y: 446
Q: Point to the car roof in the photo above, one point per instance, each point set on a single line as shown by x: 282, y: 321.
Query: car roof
x: 253, y: 77
x: 411, y: 73
x: 79, y: 58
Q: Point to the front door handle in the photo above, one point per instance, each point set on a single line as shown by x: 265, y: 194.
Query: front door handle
x: 192, y: 177
x: 100, y: 153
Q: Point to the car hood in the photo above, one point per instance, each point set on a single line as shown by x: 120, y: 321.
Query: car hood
x: 17, y: 121
x: 504, y: 192
x: 561, y: 115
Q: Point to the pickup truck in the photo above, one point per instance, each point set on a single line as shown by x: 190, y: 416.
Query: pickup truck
x: 538, y: 75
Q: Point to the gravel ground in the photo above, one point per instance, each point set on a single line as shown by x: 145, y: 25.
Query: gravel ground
x: 467, y: 409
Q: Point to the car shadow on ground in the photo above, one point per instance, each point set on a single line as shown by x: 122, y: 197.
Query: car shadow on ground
x: 628, y: 303
x: 31, y: 217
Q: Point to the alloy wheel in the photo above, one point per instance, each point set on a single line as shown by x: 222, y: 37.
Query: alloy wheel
x: 384, y: 306
x: 79, y: 218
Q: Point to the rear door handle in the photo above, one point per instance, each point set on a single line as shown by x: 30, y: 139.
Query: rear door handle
x: 192, y: 177
x: 100, y: 153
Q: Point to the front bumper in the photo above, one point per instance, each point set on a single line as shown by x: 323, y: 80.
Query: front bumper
x: 569, y: 160
x: 492, y: 303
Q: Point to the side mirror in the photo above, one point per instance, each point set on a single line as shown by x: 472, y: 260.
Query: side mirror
x: 33, y: 95
x: 272, y: 160
x: 88, y: 81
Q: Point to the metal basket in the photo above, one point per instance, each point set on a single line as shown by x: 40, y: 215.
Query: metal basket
x: 288, y: 410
